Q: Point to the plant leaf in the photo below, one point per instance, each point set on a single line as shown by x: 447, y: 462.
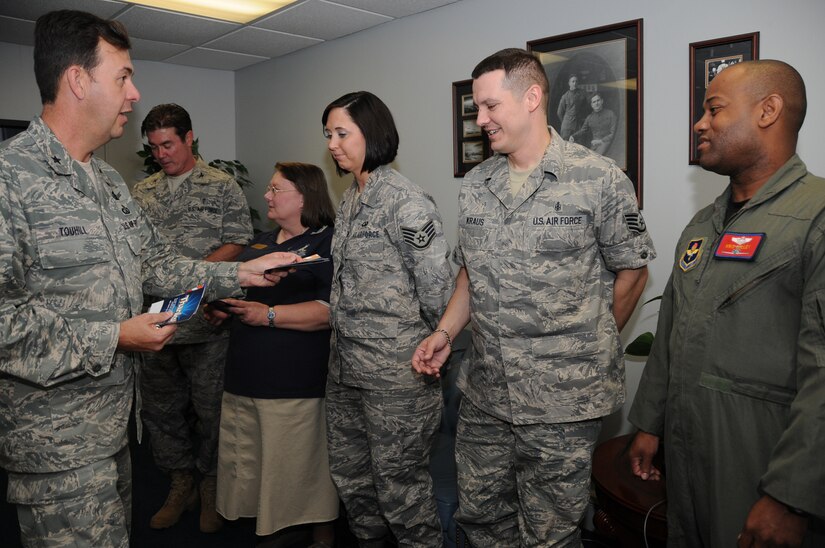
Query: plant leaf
x: 641, y: 345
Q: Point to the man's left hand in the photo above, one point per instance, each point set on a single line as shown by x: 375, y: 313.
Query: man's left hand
x: 770, y: 523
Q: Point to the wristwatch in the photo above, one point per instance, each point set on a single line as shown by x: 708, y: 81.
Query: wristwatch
x: 270, y: 315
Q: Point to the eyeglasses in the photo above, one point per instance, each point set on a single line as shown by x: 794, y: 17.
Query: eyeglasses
x: 275, y: 191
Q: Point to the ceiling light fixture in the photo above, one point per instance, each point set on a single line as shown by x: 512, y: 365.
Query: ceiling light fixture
x: 238, y: 11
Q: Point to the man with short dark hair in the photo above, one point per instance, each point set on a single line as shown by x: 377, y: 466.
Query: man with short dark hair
x: 75, y: 254
x: 553, y: 254
x: 203, y: 214
x: 735, y: 382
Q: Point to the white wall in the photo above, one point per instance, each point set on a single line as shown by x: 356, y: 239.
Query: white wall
x: 208, y: 95
x: 411, y: 63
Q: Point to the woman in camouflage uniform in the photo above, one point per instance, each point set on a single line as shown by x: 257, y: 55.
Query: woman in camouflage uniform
x: 391, y: 283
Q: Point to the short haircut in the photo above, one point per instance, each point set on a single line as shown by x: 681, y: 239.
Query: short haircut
x: 166, y: 116
x: 374, y: 119
x: 64, y: 38
x: 521, y: 69
x: 318, y: 210
x: 768, y: 76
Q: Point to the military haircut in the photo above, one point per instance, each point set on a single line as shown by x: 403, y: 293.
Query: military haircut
x: 168, y: 115
x: 768, y: 76
x: 318, y: 210
x: 67, y: 37
x: 521, y: 69
x: 375, y: 121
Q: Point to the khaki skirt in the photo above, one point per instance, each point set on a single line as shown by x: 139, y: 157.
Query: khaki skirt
x: 273, y: 464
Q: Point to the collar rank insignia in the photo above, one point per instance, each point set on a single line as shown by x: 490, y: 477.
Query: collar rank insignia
x: 692, y: 254
x: 419, y: 238
x: 739, y: 246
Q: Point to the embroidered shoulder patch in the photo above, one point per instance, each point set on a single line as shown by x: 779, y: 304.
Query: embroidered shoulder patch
x: 419, y: 238
x: 635, y: 222
x: 691, y: 256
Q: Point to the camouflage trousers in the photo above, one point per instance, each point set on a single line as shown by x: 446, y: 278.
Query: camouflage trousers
x: 379, y: 452
x: 171, y: 380
x: 522, y: 485
x: 87, y: 507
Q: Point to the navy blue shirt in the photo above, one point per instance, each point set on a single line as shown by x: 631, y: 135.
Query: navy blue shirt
x: 269, y: 363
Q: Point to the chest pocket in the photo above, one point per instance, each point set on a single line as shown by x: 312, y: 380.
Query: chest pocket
x: 201, y: 214
x: 72, y: 252
x: 478, y: 238
x: 364, y: 249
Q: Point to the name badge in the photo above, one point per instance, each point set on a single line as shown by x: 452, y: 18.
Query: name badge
x: 738, y: 246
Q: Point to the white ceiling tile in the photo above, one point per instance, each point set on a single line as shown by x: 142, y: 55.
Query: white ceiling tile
x: 158, y: 35
x: 319, y: 19
x: 167, y: 26
x: 149, y: 50
x: 214, y: 59
x: 17, y: 31
x: 394, y: 8
x: 266, y: 43
x: 32, y: 9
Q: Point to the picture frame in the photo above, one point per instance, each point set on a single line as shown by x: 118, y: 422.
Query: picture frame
x: 605, y: 61
x: 470, y: 145
x: 10, y: 128
x: 708, y: 58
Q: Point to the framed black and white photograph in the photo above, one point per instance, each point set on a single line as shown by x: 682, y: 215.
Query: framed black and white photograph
x: 470, y: 128
x: 470, y: 144
x: 596, y: 91
x: 472, y: 152
x: 707, y: 59
x: 468, y: 108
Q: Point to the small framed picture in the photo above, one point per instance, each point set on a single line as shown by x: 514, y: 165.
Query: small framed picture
x: 596, y: 74
x: 707, y: 59
x: 470, y: 143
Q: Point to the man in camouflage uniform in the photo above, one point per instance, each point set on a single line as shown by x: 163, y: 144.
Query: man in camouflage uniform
x: 553, y: 252
x: 76, y: 254
x: 203, y: 213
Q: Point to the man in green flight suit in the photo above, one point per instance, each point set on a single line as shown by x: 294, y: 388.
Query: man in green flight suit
x: 735, y: 382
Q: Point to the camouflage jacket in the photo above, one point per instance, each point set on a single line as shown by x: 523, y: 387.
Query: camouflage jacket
x: 391, y: 280
x: 76, y: 255
x: 206, y: 211
x: 541, y: 266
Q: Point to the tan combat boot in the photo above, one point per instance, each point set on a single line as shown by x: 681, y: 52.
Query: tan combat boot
x: 182, y: 496
x: 211, y: 522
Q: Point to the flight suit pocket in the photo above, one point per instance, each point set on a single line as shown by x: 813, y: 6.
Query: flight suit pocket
x: 749, y: 388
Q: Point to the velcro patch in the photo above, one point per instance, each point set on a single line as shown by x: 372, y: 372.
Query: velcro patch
x: 635, y: 222
x: 692, y: 254
x: 739, y: 246
x: 419, y: 238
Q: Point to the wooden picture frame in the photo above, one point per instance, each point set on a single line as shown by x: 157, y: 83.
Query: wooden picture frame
x: 707, y: 59
x: 470, y: 144
x: 605, y: 61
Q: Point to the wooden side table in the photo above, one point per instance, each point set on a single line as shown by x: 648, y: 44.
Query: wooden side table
x: 623, y: 500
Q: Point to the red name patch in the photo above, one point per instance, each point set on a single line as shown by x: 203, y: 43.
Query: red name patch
x: 739, y: 246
